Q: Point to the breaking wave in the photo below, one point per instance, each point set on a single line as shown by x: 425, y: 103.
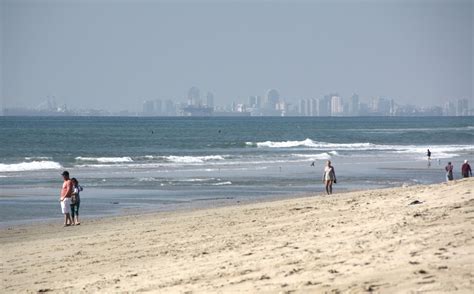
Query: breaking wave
x: 312, y: 144
x: 192, y: 159
x: 105, y: 159
x: 29, y: 166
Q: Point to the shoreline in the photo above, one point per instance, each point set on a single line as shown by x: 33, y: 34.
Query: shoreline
x: 369, y: 240
x: 185, y: 207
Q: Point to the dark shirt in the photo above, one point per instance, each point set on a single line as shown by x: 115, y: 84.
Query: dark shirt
x: 466, y: 170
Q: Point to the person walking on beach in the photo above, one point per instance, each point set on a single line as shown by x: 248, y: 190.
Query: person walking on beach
x: 65, y: 199
x: 428, y: 153
x: 329, y: 177
x: 75, y: 201
x: 466, y: 169
x: 449, y: 172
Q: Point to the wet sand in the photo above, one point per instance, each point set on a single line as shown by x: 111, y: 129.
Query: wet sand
x: 366, y: 241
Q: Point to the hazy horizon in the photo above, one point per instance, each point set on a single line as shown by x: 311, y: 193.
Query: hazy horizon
x: 115, y: 54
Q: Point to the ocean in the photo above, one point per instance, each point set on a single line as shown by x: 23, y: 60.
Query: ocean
x: 137, y: 164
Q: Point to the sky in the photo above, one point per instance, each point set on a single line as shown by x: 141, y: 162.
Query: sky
x: 113, y: 55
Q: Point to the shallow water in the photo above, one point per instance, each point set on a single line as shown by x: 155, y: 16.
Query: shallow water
x: 149, y: 164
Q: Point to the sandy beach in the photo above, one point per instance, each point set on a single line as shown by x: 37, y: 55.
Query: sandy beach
x: 366, y: 241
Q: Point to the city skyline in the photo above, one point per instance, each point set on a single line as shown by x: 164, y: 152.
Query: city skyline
x: 115, y: 54
x: 270, y: 104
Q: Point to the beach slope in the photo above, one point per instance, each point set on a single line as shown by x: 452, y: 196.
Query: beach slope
x: 418, y: 238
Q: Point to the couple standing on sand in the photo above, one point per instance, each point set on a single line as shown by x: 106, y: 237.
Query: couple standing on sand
x: 70, y: 200
x: 465, y: 170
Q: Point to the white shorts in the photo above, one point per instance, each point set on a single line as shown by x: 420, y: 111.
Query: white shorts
x: 66, y: 205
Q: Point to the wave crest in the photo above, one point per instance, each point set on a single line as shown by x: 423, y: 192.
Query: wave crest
x: 105, y: 159
x: 29, y: 166
x: 192, y: 159
x: 310, y: 143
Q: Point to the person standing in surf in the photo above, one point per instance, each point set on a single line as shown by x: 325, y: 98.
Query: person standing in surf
x: 329, y: 177
x: 449, y: 172
x: 466, y: 169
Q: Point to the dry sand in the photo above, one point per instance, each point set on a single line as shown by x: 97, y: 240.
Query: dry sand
x: 352, y: 242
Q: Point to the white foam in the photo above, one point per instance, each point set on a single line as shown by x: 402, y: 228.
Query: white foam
x: 192, y: 159
x: 222, y: 183
x: 148, y: 179
x: 197, y: 180
x: 437, y: 151
x: 312, y: 144
x: 29, y: 166
x: 320, y: 156
x: 38, y: 158
x: 105, y: 159
x: 308, y: 143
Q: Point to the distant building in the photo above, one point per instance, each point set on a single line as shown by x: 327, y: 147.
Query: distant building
x: 272, y: 98
x: 314, y: 107
x: 158, y: 107
x: 463, y: 107
x: 254, y: 101
x: 302, y: 107
x: 193, y: 110
x: 380, y: 106
x: 337, y: 107
x: 194, y: 96
x: 148, y: 108
x: 325, y: 106
x: 170, y: 108
x: 353, y: 105
x: 210, y: 100
x: 449, y: 109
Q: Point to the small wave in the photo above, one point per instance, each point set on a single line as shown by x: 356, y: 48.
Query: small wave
x: 105, y: 159
x: 29, y: 166
x: 38, y: 158
x: 435, y: 149
x: 222, y: 183
x: 192, y: 159
x: 312, y: 144
x: 320, y: 156
x: 197, y: 180
x: 147, y: 179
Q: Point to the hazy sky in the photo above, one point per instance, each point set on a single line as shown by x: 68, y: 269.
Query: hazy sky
x: 115, y: 54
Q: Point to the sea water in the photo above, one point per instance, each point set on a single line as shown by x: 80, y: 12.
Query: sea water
x: 137, y: 164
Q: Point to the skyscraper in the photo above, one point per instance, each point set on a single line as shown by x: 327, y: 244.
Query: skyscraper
x: 302, y: 107
x: 194, y: 97
x: 148, y: 107
x: 210, y: 99
x: 353, y: 108
x: 272, y: 98
x: 463, y: 107
x: 449, y: 109
x: 325, y: 106
x: 158, y: 107
x: 336, y: 105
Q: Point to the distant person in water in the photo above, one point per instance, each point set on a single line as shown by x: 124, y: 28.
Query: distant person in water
x: 65, y: 199
x: 329, y: 177
x: 466, y: 169
x: 428, y: 153
x: 449, y: 172
x: 75, y: 202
